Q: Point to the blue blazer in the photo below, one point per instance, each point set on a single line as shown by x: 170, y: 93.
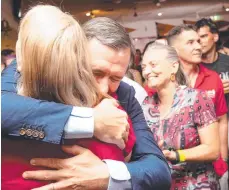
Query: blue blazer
x: 148, y: 167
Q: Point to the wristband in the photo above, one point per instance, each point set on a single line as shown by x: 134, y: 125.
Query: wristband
x: 181, y: 156
x: 177, y: 158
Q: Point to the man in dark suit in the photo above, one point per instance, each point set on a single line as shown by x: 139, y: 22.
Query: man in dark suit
x: 111, y: 51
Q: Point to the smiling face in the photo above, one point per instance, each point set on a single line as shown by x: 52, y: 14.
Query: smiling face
x: 188, y: 47
x: 108, y: 65
x: 207, y: 39
x: 156, y: 68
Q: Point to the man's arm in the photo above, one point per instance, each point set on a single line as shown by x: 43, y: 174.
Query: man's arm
x: 223, y: 134
x: 148, y: 169
x: 23, y: 115
x: 48, y: 121
x: 221, y: 113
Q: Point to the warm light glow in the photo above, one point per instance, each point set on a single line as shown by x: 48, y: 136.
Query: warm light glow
x: 88, y: 14
x: 135, y: 39
x: 159, y: 14
x: 227, y: 9
x: 96, y: 11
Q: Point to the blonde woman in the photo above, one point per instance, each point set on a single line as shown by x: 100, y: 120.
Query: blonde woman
x: 54, y: 64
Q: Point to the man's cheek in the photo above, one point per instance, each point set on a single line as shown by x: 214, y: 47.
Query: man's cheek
x: 114, y: 87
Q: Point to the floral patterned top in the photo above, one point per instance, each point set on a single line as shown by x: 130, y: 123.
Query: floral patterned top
x: 192, y: 109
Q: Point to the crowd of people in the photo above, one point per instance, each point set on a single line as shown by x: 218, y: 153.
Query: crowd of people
x: 82, y: 109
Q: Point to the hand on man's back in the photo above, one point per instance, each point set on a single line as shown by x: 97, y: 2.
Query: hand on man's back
x: 111, y: 123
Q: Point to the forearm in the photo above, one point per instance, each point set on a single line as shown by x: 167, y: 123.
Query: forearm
x: 202, y: 152
x: 151, y: 173
x: 223, y: 135
x: 52, y: 121
x: 22, y: 113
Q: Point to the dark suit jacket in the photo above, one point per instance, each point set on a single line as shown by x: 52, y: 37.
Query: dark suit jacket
x: 148, y: 167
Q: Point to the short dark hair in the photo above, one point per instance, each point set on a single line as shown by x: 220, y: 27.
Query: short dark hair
x: 207, y: 22
x: 6, y: 52
x: 110, y: 33
x: 177, y: 30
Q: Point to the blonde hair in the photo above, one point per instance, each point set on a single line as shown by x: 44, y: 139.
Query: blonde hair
x: 55, y: 63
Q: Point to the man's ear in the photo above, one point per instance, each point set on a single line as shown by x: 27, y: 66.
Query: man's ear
x: 216, y: 37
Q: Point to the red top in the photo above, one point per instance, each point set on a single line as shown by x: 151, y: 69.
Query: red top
x: 17, y: 153
x: 209, y: 81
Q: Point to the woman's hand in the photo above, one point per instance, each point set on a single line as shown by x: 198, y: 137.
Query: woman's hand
x: 169, y: 155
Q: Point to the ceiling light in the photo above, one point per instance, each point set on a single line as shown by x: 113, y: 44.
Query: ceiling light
x: 19, y: 13
x: 227, y: 9
x: 159, y: 14
x: 88, y: 14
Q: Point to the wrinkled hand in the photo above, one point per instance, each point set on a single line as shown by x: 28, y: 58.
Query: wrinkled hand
x: 169, y: 155
x: 111, y: 123
x: 225, y: 85
x: 85, y: 171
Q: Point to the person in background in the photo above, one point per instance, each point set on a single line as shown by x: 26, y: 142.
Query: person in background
x: 182, y: 120
x: 134, y: 74
x: 138, y: 57
x: 7, y: 56
x: 214, y: 60
x: 186, y: 41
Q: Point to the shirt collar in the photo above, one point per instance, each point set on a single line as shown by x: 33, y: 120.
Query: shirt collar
x: 203, y: 72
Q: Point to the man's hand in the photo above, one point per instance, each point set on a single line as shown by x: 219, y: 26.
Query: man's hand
x: 111, y: 123
x: 85, y: 171
x: 225, y: 85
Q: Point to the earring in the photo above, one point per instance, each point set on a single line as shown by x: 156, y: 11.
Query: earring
x: 172, y: 77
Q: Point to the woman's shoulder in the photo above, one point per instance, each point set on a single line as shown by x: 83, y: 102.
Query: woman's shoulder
x: 189, y: 91
x: 188, y: 96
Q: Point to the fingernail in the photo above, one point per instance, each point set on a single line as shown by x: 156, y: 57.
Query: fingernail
x: 24, y: 175
x: 32, y: 162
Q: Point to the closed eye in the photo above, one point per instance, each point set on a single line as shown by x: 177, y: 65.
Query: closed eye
x: 115, y: 79
x: 98, y: 73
